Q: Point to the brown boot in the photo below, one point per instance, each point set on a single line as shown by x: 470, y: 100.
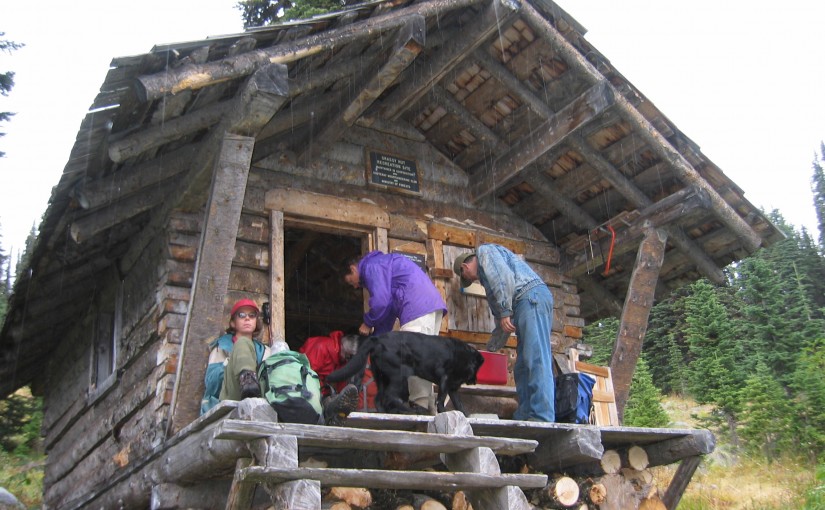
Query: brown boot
x: 249, y: 384
x: 338, y: 407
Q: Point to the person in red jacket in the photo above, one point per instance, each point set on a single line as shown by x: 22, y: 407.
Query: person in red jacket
x: 326, y: 354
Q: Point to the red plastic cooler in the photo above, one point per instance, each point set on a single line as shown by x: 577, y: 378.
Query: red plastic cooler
x: 493, y: 370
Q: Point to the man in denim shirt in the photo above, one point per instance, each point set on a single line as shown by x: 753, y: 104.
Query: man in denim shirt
x: 521, y: 303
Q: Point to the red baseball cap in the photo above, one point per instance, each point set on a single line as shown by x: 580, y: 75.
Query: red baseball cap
x: 242, y: 303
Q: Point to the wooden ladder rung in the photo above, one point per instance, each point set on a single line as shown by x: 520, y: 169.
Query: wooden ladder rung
x: 371, y: 439
x: 379, y: 479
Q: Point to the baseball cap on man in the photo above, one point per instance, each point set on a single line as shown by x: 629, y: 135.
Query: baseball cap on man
x: 242, y: 303
x: 457, y: 267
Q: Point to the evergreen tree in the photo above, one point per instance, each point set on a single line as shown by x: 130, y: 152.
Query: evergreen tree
x: 601, y: 336
x: 644, y: 404
x: 778, y: 313
x: 715, y: 374
x: 256, y: 13
x: 809, y: 386
x: 818, y: 187
x: 766, y: 414
x: 665, y: 345
x: 23, y: 260
x: 7, y: 78
x: 5, y: 285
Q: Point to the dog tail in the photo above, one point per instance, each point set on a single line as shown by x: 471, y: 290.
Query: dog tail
x: 357, y: 363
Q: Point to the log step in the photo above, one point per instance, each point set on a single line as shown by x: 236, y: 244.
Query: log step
x: 369, y: 439
x: 379, y: 479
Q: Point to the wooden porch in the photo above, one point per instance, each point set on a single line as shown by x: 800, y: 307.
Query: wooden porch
x: 218, y: 460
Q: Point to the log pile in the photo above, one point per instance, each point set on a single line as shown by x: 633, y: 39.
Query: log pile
x: 623, y: 482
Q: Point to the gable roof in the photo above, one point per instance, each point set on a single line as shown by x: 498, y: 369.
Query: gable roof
x: 511, y: 93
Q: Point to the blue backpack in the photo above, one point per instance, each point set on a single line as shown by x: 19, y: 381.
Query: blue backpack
x: 574, y: 397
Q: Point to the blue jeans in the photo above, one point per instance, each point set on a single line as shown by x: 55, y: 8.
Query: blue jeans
x: 533, y: 372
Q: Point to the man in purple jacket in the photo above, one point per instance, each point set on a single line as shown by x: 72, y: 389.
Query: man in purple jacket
x: 398, y: 289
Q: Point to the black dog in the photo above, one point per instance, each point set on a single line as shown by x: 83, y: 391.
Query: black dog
x: 397, y: 355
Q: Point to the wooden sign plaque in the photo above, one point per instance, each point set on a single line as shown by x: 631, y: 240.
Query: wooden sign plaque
x: 392, y: 172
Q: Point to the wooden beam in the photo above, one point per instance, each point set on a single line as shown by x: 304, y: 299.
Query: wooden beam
x: 95, y: 222
x: 347, y: 437
x: 699, y: 442
x: 636, y: 310
x: 665, y: 211
x: 657, y: 142
x: 600, y: 295
x: 578, y: 216
x: 277, y: 277
x: 193, y: 77
x: 680, y: 481
x: 206, y: 315
x: 581, y: 445
x: 467, y: 119
x: 339, y: 210
x: 203, y: 495
x: 419, y: 80
x: 258, y: 101
x: 133, y: 179
x: 548, y: 135
x: 155, y: 136
x: 408, y: 44
x: 502, y: 74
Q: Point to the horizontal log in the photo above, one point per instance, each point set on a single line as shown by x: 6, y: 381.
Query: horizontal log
x: 700, y: 442
x: 571, y: 447
x: 377, y: 440
x: 193, y: 77
x: 378, y: 479
x: 150, y: 138
x: 339, y: 210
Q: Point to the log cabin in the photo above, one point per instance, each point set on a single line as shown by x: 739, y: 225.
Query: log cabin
x: 256, y: 164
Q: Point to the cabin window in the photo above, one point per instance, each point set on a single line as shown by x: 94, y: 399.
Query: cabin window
x: 105, y: 339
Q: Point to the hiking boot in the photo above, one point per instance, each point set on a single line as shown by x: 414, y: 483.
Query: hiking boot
x: 338, y: 407
x: 249, y: 384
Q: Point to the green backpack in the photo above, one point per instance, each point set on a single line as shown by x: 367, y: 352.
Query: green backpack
x: 291, y: 387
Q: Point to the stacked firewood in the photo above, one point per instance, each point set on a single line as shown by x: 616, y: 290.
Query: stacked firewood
x: 625, y: 483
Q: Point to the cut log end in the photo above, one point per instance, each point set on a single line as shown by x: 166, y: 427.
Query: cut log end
x: 597, y: 493
x: 637, y: 458
x: 611, y: 462
x: 564, y: 490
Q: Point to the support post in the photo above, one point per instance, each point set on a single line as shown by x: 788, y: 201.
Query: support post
x: 636, y: 310
x: 217, y: 248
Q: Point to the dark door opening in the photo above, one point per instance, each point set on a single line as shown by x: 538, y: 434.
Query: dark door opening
x: 317, y: 300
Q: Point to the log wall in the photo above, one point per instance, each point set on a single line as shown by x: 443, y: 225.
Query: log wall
x: 91, y: 441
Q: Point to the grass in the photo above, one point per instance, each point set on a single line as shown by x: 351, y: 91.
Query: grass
x: 22, y: 475
x: 727, y: 481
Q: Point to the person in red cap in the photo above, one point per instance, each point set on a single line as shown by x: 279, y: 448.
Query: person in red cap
x: 238, y: 354
x: 234, y: 359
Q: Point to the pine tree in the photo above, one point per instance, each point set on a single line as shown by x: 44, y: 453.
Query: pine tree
x: 818, y: 188
x: 715, y: 374
x: 601, y: 336
x: 5, y: 284
x: 23, y: 260
x: 809, y: 386
x: 665, y: 344
x: 779, y: 315
x: 766, y: 414
x: 644, y: 404
x: 7, y: 78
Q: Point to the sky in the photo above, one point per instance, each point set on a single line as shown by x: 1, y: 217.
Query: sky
x: 742, y: 79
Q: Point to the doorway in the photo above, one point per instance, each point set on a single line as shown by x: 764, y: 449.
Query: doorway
x: 317, y: 300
